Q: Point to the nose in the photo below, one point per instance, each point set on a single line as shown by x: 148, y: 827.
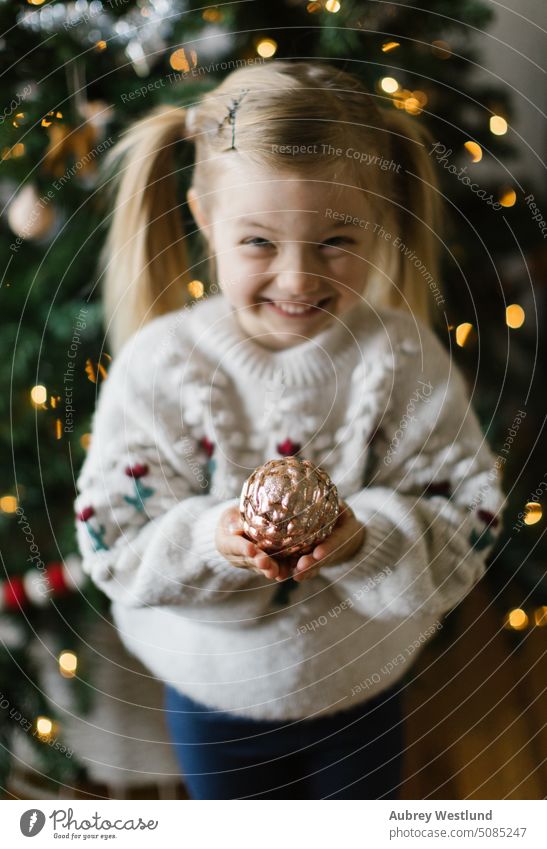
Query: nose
x: 297, y: 274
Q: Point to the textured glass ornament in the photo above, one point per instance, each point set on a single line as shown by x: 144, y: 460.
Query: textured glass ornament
x: 288, y: 506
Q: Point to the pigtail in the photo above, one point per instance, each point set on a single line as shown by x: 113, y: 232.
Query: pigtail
x: 144, y: 263
x: 413, y: 260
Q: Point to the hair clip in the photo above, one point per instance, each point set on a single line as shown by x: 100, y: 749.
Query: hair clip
x: 232, y: 115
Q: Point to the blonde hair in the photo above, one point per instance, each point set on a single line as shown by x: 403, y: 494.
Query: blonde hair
x: 144, y: 262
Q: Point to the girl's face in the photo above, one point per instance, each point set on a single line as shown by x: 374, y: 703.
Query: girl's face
x: 290, y: 253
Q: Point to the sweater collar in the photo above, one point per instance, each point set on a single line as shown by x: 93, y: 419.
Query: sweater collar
x: 326, y: 356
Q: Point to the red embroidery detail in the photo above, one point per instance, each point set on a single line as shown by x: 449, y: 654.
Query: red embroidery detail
x: 85, y: 514
x: 288, y: 448
x: 488, y: 518
x: 139, y: 470
x: 207, y: 446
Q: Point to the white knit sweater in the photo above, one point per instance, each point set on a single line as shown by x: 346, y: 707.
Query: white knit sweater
x: 190, y: 407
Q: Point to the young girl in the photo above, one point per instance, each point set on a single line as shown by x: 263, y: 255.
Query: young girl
x: 318, y: 210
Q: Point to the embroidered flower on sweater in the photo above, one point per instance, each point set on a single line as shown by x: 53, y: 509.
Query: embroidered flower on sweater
x: 97, y: 536
x: 486, y: 537
x: 142, y: 492
x: 288, y: 448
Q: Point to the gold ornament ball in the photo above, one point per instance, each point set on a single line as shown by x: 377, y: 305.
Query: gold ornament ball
x: 288, y: 506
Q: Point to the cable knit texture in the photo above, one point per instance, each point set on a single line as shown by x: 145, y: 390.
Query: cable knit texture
x: 190, y: 407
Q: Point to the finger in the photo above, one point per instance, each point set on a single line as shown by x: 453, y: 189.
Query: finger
x: 236, y: 546
x: 266, y: 565
x: 306, y: 568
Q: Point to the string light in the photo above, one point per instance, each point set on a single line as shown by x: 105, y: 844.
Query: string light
x: 101, y: 45
x: 517, y: 619
x: 462, y: 333
x: 498, y: 125
x: 179, y: 61
x: 514, y: 316
x: 534, y: 513
x: 266, y: 48
x: 15, y: 151
x: 474, y: 149
x: 19, y: 117
x: 8, y: 504
x: 413, y: 103
x: 68, y: 664
x: 196, y: 288
x: 38, y: 395
x: 389, y: 85
x: 441, y: 49
x: 44, y: 726
x: 313, y: 7
x: 48, y: 119
x: 388, y: 46
x: 508, y: 197
x: 332, y: 6
x: 85, y: 440
x: 540, y: 616
x: 212, y: 15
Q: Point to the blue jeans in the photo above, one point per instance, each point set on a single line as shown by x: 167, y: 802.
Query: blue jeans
x: 352, y: 754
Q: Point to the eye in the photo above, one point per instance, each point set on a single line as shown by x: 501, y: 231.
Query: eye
x: 337, y: 242
x: 256, y: 242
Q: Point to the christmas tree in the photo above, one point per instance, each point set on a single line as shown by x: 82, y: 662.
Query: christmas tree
x: 76, y: 74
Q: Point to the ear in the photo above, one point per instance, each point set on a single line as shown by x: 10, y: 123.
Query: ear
x: 197, y: 210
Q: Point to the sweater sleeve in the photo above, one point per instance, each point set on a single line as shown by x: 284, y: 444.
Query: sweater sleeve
x: 145, y: 526
x: 432, y: 507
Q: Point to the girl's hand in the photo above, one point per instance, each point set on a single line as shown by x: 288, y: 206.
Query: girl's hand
x: 232, y: 543
x: 347, y: 537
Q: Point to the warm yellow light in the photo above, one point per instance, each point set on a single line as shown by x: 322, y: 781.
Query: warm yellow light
x: 266, y: 48
x: 179, y: 61
x: 68, y: 663
x: 462, y: 333
x: 387, y: 46
x: 474, y: 149
x: 8, y: 504
x: 332, y: 6
x: 508, y: 197
x: 44, y: 726
x: 85, y: 440
x: 412, y: 106
x: 540, y: 616
x: 517, y: 619
x: 534, y: 513
x: 441, y: 49
x: 400, y: 97
x: 101, y: 45
x: 498, y: 125
x: 36, y: 2
x: 313, y: 7
x: 196, y: 288
x: 389, y: 85
x: 38, y: 395
x: 212, y: 15
x: 514, y: 316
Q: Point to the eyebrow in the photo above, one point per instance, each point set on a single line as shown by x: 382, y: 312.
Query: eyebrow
x: 335, y: 225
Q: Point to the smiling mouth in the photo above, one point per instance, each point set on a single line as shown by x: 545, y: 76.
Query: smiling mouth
x: 296, y: 309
